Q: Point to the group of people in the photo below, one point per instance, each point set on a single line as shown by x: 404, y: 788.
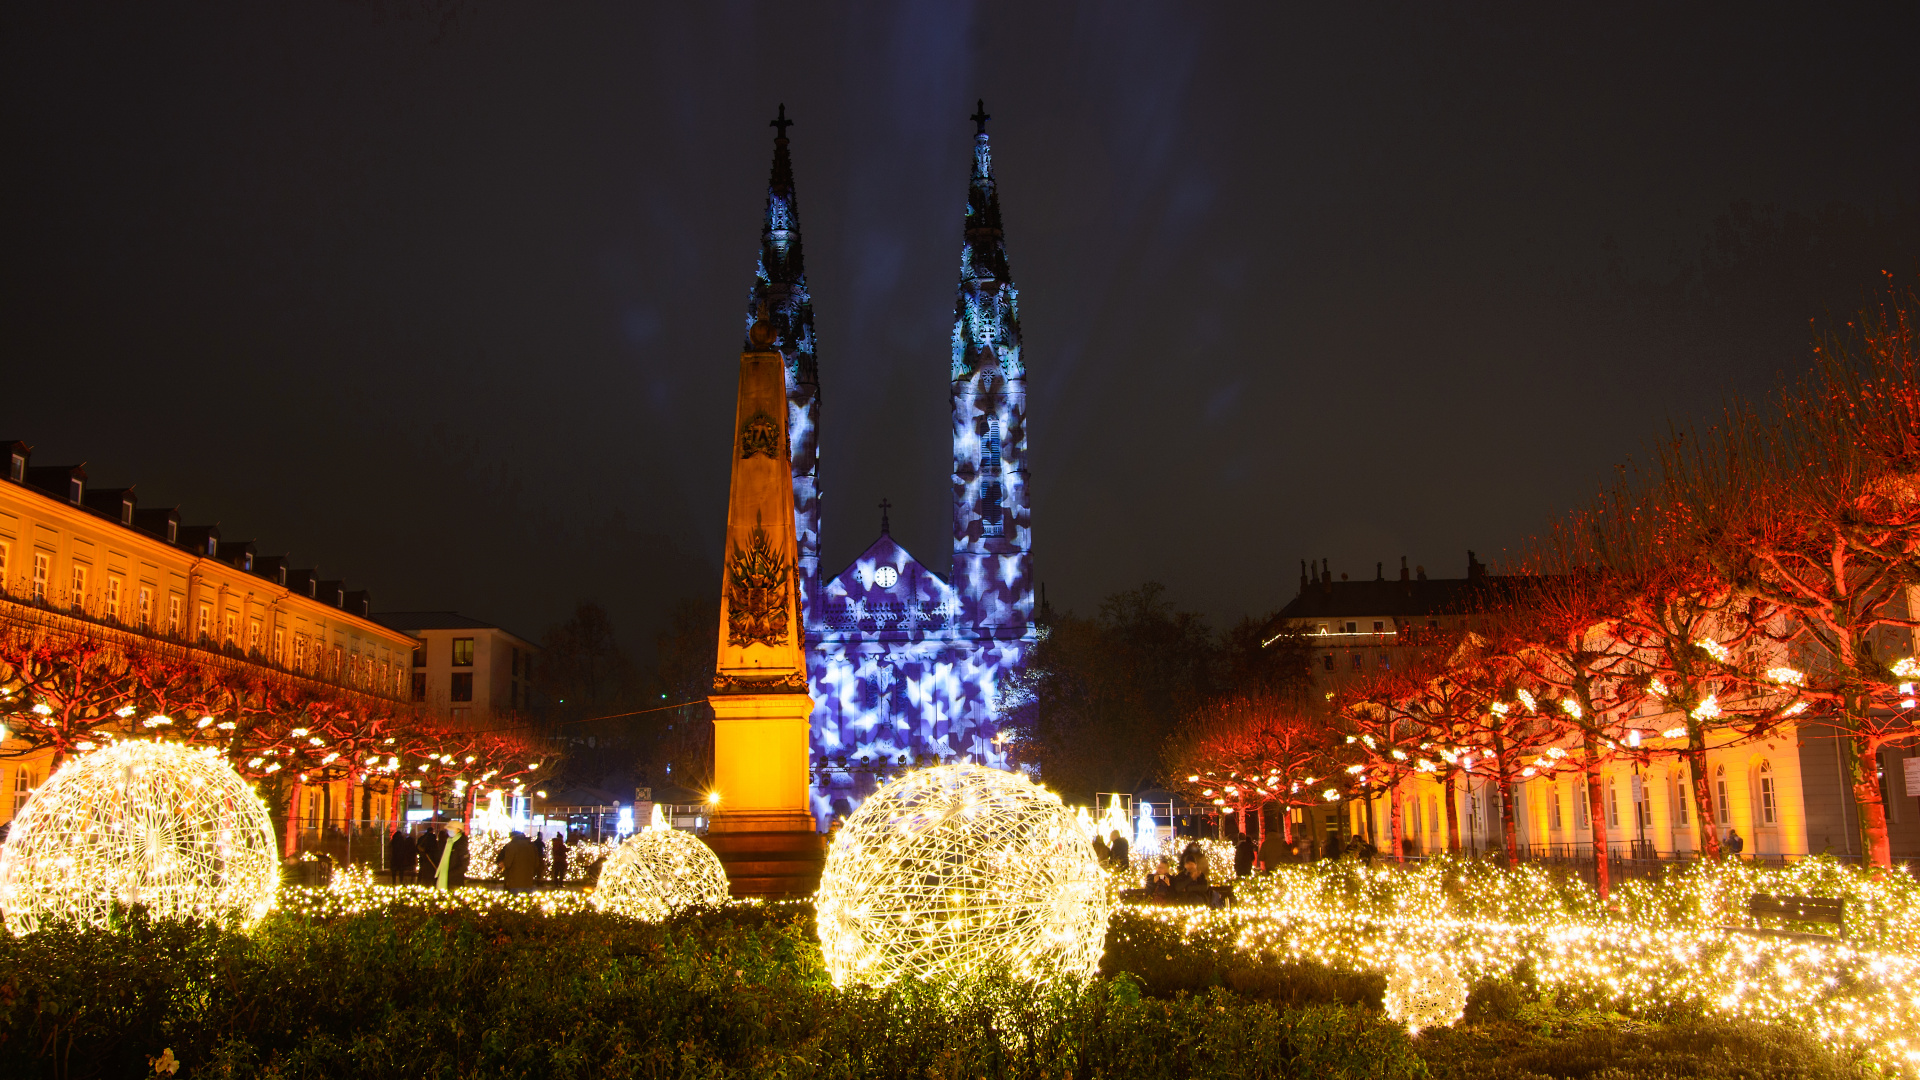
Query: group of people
x: 1189, y: 885
x: 439, y: 858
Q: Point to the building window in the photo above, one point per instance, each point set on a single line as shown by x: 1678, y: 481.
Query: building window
x: 1769, y: 810
x: 113, y: 598
x: 79, y: 596
x: 279, y: 645
x: 42, y: 568
x: 1356, y: 661
x: 146, y: 606
x: 1613, y: 803
x: 463, y: 652
x: 17, y: 468
x: 299, y: 652
x: 1328, y: 659
x: 1379, y: 627
x: 420, y: 656
x: 462, y: 688
x: 232, y: 619
x: 22, y: 788
x: 253, y: 635
x: 4, y: 548
x: 516, y: 661
x: 1721, y: 806
x: 76, y: 490
x: 206, y: 622
x: 1553, y: 807
x: 1353, y: 628
x: 419, y: 686
x: 1581, y: 796
x: 173, y: 614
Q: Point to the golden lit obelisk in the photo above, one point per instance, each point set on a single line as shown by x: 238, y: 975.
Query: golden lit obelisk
x: 763, y: 828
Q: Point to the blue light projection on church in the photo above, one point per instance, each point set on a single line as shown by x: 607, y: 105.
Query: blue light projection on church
x: 905, y: 663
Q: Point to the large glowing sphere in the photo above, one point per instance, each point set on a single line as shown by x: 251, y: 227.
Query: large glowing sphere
x: 659, y: 871
x: 164, y: 827
x: 960, y: 871
x: 1425, y: 992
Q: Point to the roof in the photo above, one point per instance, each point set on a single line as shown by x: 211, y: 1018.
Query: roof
x: 1434, y: 596
x: 432, y: 620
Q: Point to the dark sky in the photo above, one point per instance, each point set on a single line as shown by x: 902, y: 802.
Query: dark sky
x: 447, y: 297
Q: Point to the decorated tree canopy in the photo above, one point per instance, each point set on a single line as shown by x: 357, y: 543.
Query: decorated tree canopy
x: 164, y: 827
x: 959, y: 871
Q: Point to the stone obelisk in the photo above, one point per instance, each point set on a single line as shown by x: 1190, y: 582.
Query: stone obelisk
x: 763, y: 828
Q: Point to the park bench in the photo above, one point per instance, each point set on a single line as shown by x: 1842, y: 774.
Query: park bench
x: 1801, y: 909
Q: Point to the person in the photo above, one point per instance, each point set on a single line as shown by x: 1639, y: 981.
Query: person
x: 1274, y: 851
x: 1734, y: 843
x: 1159, y: 884
x: 1243, y: 856
x: 402, y: 855
x: 430, y: 844
x: 1117, y: 851
x: 1102, y: 853
x: 1335, y: 846
x: 1362, y: 848
x: 519, y: 862
x: 1192, y: 886
x: 450, y: 869
x: 559, y: 874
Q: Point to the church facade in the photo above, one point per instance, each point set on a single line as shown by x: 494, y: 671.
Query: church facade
x: 905, y: 663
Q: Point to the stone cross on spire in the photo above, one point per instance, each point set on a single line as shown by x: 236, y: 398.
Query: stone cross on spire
x: 885, y: 505
x: 781, y: 121
x: 980, y: 116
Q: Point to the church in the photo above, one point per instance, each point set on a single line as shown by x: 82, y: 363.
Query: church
x: 906, y: 663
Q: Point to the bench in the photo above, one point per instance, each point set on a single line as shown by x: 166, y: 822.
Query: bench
x: 1803, y: 909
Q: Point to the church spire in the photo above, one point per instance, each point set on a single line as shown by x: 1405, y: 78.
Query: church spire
x: 992, y: 537
x: 779, y: 295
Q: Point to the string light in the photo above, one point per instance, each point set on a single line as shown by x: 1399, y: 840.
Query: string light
x: 1424, y: 992
x: 958, y: 871
x: 167, y: 827
x: 658, y: 871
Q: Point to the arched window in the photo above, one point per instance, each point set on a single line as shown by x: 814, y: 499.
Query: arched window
x: 1721, y: 807
x: 1769, y: 805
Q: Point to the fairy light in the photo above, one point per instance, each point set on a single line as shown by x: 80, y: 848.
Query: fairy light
x: 958, y: 871
x: 1708, y: 709
x: 1424, y: 992
x: 658, y: 871
x: 168, y: 827
x: 1786, y: 676
x: 1714, y: 649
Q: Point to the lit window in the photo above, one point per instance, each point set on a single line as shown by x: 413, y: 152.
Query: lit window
x: 42, y: 567
x: 4, y: 548
x: 279, y: 645
x: 206, y: 621
x: 1613, y: 803
x: 76, y: 488
x: 146, y: 606
x: 173, y: 614
x: 253, y: 635
x: 79, y: 596
x: 300, y: 651
x: 463, y: 652
x: 231, y: 620
x: 18, y: 470
x: 1721, y: 805
x: 22, y: 788
x: 1682, y: 797
x: 1553, y: 807
x: 1768, y: 809
x: 113, y: 598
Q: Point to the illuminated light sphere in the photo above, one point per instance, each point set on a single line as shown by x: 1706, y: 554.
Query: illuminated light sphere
x: 659, y: 871
x: 169, y: 828
x: 960, y: 871
x: 1425, y: 992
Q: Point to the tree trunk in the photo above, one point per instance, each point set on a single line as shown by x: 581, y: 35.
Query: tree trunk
x: 1394, y: 813
x: 1453, y: 820
x: 1510, y: 834
x: 1866, y: 792
x: 1596, y: 819
x: 1702, y: 794
x: 293, y: 820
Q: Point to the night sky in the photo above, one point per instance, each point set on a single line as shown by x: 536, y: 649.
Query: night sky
x: 448, y: 297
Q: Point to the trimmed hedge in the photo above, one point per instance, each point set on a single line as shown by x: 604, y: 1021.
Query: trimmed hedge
x: 403, y: 991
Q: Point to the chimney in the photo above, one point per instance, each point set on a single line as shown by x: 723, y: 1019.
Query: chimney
x: 1420, y: 573
x: 1303, y: 577
x: 1475, y: 568
x: 1403, y: 568
x: 1379, y: 571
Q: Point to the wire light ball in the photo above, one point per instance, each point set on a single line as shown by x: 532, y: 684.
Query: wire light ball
x: 1424, y: 992
x: 659, y: 871
x: 171, y: 829
x: 959, y: 871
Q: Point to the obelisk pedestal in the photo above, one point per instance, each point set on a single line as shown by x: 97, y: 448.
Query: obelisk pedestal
x: 763, y: 827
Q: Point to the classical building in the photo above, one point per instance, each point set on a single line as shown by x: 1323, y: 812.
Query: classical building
x: 904, y: 661
x: 463, y: 668
x: 1786, y: 794
x: 74, y: 557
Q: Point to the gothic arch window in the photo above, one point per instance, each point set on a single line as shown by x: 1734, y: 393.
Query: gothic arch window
x: 992, y: 518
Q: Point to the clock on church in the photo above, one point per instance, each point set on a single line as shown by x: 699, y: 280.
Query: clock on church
x: 885, y: 577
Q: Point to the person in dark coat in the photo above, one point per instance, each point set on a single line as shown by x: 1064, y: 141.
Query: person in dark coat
x: 559, y: 871
x: 1274, y: 851
x: 1243, y: 854
x: 519, y: 862
x: 1192, y: 886
x: 402, y: 856
x: 1102, y: 853
x: 456, y: 850
x: 429, y: 846
x: 1117, y: 851
x: 1159, y: 885
x: 1336, y: 845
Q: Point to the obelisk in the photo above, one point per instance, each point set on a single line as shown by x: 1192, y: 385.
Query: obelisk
x: 762, y: 827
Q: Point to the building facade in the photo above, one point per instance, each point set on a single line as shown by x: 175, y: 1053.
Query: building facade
x: 1786, y: 795
x: 465, y: 669
x: 904, y: 662
x: 74, y: 557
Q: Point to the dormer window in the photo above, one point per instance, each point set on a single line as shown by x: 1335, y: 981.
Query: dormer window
x: 311, y: 586
x: 213, y: 546
x: 76, y: 487
x: 126, y: 510
x: 173, y: 532
x: 280, y: 576
x: 17, y: 471
x: 246, y: 561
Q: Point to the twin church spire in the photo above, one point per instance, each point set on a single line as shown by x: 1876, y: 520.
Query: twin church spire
x: 991, y: 553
